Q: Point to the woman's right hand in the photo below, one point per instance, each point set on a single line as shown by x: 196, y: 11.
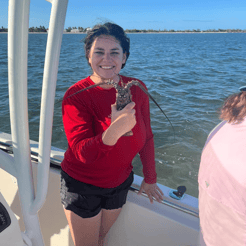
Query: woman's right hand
x: 124, y: 120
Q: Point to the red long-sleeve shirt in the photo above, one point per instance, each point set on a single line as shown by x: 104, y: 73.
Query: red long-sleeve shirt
x: 86, y: 116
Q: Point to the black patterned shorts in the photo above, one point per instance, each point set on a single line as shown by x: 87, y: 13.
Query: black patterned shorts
x: 87, y: 200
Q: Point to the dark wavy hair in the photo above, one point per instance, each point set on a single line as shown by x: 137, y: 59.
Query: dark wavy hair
x: 234, y: 108
x: 109, y: 29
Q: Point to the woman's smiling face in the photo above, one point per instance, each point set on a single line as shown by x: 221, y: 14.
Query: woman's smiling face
x: 106, y: 57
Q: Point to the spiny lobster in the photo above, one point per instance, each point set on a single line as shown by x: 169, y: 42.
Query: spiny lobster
x: 124, y: 97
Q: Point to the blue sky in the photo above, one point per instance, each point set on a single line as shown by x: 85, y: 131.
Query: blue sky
x: 163, y: 14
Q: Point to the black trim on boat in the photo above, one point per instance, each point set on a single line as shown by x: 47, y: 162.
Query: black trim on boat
x: 54, y: 163
x: 5, y: 144
x: 5, y: 219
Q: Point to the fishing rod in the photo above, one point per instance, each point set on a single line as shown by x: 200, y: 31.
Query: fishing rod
x: 123, y: 95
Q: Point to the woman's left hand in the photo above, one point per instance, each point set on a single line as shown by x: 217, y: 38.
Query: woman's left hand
x: 152, y: 190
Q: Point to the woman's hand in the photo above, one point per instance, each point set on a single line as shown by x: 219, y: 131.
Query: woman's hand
x: 124, y: 120
x: 152, y: 190
x: 121, y: 122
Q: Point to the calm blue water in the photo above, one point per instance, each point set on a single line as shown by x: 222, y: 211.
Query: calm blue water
x: 189, y: 75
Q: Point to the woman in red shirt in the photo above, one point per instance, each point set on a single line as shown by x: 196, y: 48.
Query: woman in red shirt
x: 97, y: 166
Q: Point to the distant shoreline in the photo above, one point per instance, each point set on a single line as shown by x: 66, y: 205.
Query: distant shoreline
x: 136, y: 32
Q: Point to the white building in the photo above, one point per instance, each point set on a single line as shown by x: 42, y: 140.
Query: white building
x: 75, y: 31
x: 88, y: 29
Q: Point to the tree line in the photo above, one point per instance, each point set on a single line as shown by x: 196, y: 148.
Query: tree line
x: 31, y: 29
x: 38, y: 29
x: 81, y: 29
x: 186, y: 31
x: 44, y: 29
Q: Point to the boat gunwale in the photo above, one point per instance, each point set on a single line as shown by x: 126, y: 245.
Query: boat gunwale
x: 135, y: 187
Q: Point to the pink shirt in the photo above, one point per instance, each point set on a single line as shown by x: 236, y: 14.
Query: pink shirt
x: 222, y: 186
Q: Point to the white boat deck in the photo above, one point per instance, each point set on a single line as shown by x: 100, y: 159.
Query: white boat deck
x: 171, y: 223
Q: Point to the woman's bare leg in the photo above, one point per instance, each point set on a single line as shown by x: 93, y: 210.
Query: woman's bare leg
x: 85, y: 232
x: 108, y: 218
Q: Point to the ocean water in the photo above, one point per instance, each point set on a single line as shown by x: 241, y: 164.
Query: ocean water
x: 189, y: 75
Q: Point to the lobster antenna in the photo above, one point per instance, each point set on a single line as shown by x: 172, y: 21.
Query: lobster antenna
x: 87, y: 88
x: 92, y: 86
x: 146, y: 92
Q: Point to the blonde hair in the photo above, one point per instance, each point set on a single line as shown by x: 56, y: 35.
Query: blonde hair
x: 234, y: 108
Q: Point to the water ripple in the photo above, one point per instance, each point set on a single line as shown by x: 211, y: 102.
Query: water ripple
x: 188, y: 75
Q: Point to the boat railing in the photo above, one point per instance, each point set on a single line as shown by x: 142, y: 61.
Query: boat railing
x: 188, y: 205
x: 20, y: 164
